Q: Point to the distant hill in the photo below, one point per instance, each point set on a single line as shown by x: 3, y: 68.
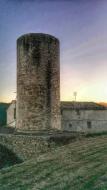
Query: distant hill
x: 3, y: 108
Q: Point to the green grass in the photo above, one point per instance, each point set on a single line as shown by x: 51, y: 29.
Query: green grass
x: 81, y: 165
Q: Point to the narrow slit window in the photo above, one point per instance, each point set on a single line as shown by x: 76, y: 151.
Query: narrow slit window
x: 89, y: 125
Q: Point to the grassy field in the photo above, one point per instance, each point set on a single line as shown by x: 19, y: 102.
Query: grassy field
x: 81, y: 165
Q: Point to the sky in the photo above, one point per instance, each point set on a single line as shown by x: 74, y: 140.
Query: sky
x: 81, y: 27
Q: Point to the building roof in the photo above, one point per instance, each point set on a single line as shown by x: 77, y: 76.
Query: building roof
x: 13, y: 102
x: 82, y: 105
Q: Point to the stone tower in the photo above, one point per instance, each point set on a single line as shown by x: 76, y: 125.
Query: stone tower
x: 38, y: 82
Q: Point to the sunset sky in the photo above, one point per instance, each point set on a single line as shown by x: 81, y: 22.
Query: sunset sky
x: 80, y: 25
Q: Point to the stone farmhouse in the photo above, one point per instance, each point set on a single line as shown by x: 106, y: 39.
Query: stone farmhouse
x: 83, y: 117
x: 75, y: 116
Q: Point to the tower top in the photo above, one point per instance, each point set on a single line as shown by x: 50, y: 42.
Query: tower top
x: 38, y: 36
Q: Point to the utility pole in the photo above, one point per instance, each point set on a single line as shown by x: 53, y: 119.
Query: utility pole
x: 75, y: 96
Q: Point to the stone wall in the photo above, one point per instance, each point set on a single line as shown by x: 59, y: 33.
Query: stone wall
x: 29, y: 146
x: 25, y: 147
x: 7, y: 130
x: 84, y: 120
x: 11, y: 114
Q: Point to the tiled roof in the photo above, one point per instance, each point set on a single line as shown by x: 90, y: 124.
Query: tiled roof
x: 82, y: 105
x: 13, y: 101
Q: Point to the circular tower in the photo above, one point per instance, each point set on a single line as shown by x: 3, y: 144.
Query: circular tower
x: 38, y: 82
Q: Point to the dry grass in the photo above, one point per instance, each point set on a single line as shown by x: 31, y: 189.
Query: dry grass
x: 81, y: 165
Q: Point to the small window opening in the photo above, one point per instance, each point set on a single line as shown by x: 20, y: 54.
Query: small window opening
x: 89, y: 125
x: 61, y: 112
x: 14, y: 113
x: 70, y: 125
x: 78, y: 112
